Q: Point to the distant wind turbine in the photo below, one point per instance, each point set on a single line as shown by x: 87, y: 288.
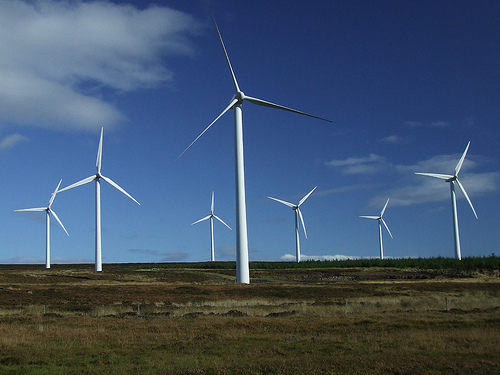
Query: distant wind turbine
x: 452, y: 179
x: 298, y: 213
x: 48, y: 210
x: 380, y: 221
x: 211, y: 217
x: 242, y: 266
x: 97, y: 178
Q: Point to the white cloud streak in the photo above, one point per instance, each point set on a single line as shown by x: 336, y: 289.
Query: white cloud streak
x: 56, y: 55
x: 393, y: 139
x: 416, y: 189
x: 413, y: 189
x: 11, y: 141
x: 358, y: 165
x: 427, y: 189
x: 165, y: 256
x: 420, y: 124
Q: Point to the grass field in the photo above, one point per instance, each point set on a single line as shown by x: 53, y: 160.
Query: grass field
x: 155, y: 319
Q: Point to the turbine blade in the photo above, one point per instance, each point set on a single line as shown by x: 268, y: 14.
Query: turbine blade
x: 114, y: 184
x: 436, y: 175
x: 59, y: 221
x: 277, y: 106
x: 212, y: 206
x: 283, y: 202
x: 99, y: 154
x: 237, y: 88
x: 461, y: 161
x: 307, y: 196
x: 82, y: 182
x: 383, y: 209
x: 466, y: 196
x: 386, y: 227
x: 205, y: 218
x: 302, y: 220
x: 218, y: 218
x: 371, y: 217
x: 38, y: 209
x: 52, y: 197
x: 233, y: 102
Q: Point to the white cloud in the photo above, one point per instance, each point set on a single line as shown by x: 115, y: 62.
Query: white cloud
x: 393, y: 139
x: 428, y: 189
x: 420, y: 124
x: 165, y: 256
x: 225, y: 252
x: 11, y: 141
x: 443, y: 164
x: 340, y: 190
x: 28, y: 99
x: 415, y: 189
x: 175, y: 257
x: 56, y: 55
x: 358, y: 165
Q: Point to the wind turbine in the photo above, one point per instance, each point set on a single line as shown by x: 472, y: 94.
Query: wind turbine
x: 211, y: 217
x: 452, y: 179
x: 298, y: 213
x: 48, y: 210
x: 97, y: 178
x: 242, y: 266
x: 380, y: 221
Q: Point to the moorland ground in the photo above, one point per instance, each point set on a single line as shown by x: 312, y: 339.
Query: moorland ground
x: 156, y: 319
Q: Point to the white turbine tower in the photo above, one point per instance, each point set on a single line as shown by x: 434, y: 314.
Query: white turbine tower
x: 242, y: 266
x: 97, y: 178
x: 452, y: 179
x: 298, y: 213
x: 380, y: 221
x: 48, y: 211
x: 211, y: 217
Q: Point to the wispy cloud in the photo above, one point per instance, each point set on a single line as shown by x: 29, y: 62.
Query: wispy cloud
x: 358, y: 165
x: 393, y: 139
x: 225, y: 252
x: 414, y: 189
x: 229, y: 252
x: 162, y: 256
x: 340, y: 190
x: 175, y: 257
x: 420, y: 124
x: 55, y: 56
x: 427, y: 189
x: 11, y: 141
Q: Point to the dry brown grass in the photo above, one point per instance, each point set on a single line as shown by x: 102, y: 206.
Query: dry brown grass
x: 430, y: 343
x: 77, y: 322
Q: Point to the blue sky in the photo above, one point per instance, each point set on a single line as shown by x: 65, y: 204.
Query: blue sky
x: 406, y: 84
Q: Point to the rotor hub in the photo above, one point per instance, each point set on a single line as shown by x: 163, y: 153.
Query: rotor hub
x: 239, y: 96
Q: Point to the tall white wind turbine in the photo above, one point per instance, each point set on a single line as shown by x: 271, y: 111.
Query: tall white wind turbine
x: 242, y: 266
x: 380, y: 222
x: 298, y: 213
x: 211, y: 217
x: 97, y: 178
x: 48, y: 211
x: 452, y: 179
